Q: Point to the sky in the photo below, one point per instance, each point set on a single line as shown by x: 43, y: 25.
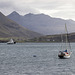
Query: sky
x: 64, y: 9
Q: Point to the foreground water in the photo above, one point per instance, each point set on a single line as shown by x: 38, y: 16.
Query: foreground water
x: 35, y: 59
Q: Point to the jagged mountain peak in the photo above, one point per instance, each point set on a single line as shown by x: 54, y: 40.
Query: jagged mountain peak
x: 14, y: 13
x: 41, y: 14
x: 29, y: 14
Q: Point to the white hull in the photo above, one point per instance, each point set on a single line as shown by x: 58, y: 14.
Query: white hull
x: 66, y: 57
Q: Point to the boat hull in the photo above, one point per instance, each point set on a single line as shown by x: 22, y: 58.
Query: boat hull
x: 63, y: 55
x: 10, y: 43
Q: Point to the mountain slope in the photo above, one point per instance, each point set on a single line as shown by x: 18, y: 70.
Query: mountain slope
x: 9, y: 28
x: 43, y: 23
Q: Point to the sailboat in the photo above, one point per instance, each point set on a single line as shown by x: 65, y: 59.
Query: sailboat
x: 67, y: 52
x: 11, y: 41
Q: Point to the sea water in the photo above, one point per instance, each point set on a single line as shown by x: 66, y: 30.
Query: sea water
x: 35, y: 59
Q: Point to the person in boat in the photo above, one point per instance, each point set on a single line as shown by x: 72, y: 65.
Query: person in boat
x: 66, y: 51
x: 62, y: 52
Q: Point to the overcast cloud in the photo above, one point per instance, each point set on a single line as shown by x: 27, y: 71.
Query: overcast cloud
x: 55, y: 8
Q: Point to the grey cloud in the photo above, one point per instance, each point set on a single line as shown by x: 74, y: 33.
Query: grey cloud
x: 6, y: 4
x: 48, y: 4
x: 50, y: 7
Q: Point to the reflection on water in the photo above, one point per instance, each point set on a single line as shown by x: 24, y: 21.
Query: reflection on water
x: 35, y: 59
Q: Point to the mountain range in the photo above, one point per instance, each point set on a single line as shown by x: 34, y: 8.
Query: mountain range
x: 42, y: 23
x: 9, y: 28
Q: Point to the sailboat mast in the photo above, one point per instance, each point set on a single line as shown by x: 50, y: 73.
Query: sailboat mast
x: 66, y: 34
x: 62, y: 42
x: 67, y: 41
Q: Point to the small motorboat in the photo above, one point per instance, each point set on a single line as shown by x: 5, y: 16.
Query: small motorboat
x: 11, y: 42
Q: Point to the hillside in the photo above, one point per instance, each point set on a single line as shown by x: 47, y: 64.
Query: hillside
x: 42, y: 23
x: 9, y: 28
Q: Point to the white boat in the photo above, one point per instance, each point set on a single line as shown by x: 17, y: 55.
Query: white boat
x: 67, y: 52
x: 11, y: 42
x: 64, y: 55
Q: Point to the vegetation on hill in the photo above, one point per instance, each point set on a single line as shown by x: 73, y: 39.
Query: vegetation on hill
x: 54, y: 38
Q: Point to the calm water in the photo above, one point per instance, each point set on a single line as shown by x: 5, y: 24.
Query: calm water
x: 18, y: 59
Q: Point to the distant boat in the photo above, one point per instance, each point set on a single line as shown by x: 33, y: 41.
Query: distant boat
x: 11, y: 42
x: 67, y: 52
